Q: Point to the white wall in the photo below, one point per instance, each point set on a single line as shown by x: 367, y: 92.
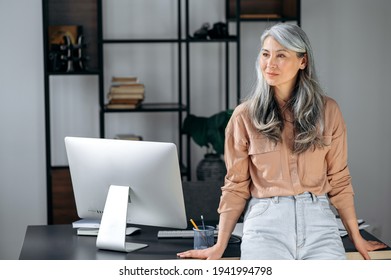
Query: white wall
x: 22, y: 146
x: 350, y: 41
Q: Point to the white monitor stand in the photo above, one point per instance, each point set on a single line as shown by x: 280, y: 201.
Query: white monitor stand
x: 112, y: 230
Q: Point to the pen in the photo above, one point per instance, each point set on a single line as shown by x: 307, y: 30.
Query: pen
x: 194, y: 224
x: 202, y: 234
x: 203, y: 224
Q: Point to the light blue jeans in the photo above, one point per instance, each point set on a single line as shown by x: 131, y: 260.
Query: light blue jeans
x: 292, y: 227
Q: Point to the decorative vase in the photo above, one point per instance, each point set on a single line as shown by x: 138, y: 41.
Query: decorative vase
x: 211, y: 168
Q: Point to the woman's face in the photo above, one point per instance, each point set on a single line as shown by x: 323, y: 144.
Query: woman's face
x: 280, y: 66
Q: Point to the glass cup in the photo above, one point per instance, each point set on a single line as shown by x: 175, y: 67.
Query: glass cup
x: 203, y: 238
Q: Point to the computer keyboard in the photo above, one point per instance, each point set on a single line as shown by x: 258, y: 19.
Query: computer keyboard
x: 185, y: 233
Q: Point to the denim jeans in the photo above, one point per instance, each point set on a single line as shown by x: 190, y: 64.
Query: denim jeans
x: 292, y: 227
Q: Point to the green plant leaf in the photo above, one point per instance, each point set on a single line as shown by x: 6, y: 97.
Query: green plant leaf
x: 208, y: 131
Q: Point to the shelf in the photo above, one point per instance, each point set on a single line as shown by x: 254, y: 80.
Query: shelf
x: 221, y: 40
x: 267, y: 18
x: 149, y: 41
x: 90, y: 72
x: 126, y: 41
x: 151, y: 107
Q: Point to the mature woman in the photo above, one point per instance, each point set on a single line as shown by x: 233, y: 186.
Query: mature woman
x: 286, y: 158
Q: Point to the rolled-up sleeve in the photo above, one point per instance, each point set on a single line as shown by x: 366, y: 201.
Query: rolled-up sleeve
x: 235, y: 191
x: 341, y: 193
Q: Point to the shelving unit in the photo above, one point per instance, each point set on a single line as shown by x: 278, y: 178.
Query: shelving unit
x: 183, y: 104
x: 89, y: 15
x: 60, y: 203
x: 232, y: 39
x: 178, y: 106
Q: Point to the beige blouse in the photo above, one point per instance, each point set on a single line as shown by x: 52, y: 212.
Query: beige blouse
x: 256, y: 167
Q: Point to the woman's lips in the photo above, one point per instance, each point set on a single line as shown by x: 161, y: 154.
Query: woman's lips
x: 270, y: 74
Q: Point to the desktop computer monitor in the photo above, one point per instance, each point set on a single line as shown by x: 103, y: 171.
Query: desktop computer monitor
x: 150, y: 169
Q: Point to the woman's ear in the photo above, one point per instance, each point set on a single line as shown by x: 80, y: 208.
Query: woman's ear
x: 304, y: 61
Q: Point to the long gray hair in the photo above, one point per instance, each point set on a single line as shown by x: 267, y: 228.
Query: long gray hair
x: 307, y: 102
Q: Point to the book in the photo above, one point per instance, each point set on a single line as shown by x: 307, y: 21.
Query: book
x: 123, y: 79
x: 238, y: 230
x: 86, y: 223
x: 129, y: 88
x: 94, y: 231
x: 128, y: 137
x: 88, y: 231
x: 117, y: 96
x: 125, y: 101
x: 122, y: 106
x: 125, y: 93
x: 341, y: 227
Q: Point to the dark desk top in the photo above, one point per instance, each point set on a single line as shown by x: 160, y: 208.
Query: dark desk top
x: 60, y: 242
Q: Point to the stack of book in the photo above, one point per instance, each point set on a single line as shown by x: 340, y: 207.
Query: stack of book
x: 129, y: 137
x: 87, y: 226
x: 343, y: 232
x: 125, y: 93
x: 91, y: 227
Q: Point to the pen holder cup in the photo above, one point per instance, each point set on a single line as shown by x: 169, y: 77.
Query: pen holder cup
x: 203, y: 238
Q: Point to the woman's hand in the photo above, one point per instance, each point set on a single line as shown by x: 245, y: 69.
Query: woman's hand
x: 212, y: 253
x: 349, y: 220
x: 364, y: 246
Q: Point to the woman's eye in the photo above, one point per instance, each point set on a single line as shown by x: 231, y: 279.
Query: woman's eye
x: 265, y: 54
x: 281, y: 55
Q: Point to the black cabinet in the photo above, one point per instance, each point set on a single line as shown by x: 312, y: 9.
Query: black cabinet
x: 66, y: 25
x: 75, y: 45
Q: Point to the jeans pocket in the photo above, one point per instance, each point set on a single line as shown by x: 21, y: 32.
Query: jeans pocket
x: 324, y: 206
x: 257, y: 207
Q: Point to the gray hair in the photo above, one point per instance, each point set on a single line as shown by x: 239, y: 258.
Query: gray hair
x: 307, y: 102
